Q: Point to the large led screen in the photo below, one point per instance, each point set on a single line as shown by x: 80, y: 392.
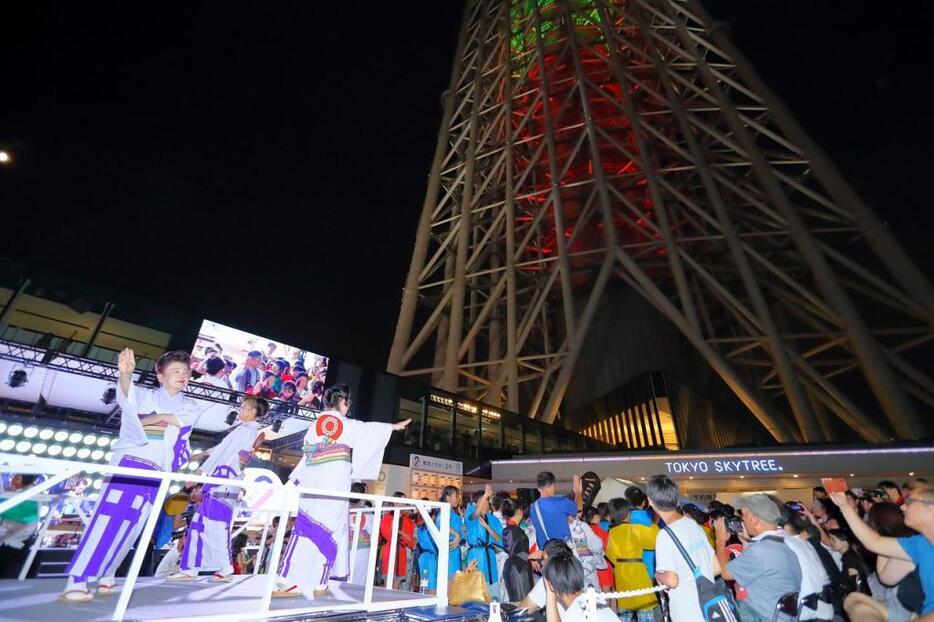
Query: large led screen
x: 230, y: 358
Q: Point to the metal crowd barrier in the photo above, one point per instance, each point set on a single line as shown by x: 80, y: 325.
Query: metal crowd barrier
x: 58, y: 471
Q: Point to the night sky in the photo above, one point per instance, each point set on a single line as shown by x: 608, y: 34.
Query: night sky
x: 264, y: 164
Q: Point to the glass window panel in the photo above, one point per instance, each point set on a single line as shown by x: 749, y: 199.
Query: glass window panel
x: 491, y: 427
x: 551, y: 439
x: 438, y: 429
x: 633, y: 428
x: 410, y: 409
x: 467, y: 435
x: 513, y: 437
x: 669, y: 434
x: 533, y: 443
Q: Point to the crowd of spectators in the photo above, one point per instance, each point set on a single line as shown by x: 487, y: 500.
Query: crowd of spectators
x: 856, y: 555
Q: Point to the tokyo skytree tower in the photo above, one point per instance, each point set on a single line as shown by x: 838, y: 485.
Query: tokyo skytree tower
x: 593, y: 145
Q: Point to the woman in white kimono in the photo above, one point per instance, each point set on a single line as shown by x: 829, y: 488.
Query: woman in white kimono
x: 336, y: 451
x: 208, y: 544
x: 154, y: 431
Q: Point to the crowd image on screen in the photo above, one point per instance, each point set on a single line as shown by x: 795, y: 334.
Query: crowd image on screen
x: 235, y: 361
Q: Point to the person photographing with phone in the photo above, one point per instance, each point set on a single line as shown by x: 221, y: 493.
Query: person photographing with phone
x: 918, y: 549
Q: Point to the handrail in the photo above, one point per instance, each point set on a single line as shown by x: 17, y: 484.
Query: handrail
x: 60, y: 470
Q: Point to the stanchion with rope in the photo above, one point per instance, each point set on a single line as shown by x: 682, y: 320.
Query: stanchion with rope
x: 592, y: 596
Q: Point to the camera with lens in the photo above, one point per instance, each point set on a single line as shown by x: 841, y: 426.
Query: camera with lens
x: 732, y: 522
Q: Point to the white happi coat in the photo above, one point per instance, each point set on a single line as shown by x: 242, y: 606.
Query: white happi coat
x: 125, y: 502
x: 208, y: 542
x: 224, y: 458
x: 337, y: 450
x: 171, y: 451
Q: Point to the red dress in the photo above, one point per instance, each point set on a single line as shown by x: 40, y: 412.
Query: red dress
x: 605, y: 577
x: 406, y: 537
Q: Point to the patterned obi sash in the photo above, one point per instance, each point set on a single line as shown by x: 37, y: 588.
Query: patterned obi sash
x: 155, y: 432
x: 322, y: 453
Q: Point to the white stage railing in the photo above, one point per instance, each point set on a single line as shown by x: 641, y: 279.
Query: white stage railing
x: 57, y: 471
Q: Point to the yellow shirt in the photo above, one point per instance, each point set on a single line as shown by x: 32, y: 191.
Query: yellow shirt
x: 624, y: 547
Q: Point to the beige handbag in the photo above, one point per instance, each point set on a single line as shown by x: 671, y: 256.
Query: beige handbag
x: 468, y: 587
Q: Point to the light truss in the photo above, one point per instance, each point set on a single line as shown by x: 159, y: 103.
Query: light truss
x: 590, y: 141
x: 30, y: 356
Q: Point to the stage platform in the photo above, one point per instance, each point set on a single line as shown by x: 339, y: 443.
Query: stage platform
x: 35, y: 600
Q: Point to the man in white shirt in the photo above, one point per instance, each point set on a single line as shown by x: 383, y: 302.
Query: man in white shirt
x: 564, y: 582
x: 671, y: 569
x: 537, y: 598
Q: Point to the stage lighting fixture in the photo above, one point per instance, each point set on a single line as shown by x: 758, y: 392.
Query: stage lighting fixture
x: 277, y: 425
x: 103, y: 441
x: 31, y: 432
x: 108, y: 456
x: 83, y: 453
x: 97, y: 454
x: 2, y: 427
x: 90, y: 439
x: 23, y: 446
x: 231, y: 417
x: 75, y: 437
x: 46, y: 434
x: 174, y: 489
x: 113, y: 441
x: 54, y: 450
x: 110, y: 396
x: 39, y: 448
x: 17, y: 378
x: 69, y: 451
x: 193, y: 466
x: 61, y: 436
x: 7, y: 444
x: 14, y: 430
x: 5, y: 157
x: 97, y: 483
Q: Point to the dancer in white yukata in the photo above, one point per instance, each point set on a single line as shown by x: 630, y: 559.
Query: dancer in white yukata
x: 336, y: 451
x: 208, y: 544
x: 154, y: 430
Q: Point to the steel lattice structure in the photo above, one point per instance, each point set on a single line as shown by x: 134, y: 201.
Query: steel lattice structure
x: 586, y: 141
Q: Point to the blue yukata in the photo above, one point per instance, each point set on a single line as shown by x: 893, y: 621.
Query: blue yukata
x: 483, y: 546
x: 454, y: 555
x: 428, y: 558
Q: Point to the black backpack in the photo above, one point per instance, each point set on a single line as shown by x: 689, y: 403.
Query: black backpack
x: 716, y: 602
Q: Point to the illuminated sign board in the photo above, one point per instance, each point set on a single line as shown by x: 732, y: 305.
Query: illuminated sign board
x: 725, y: 465
x: 436, y: 465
